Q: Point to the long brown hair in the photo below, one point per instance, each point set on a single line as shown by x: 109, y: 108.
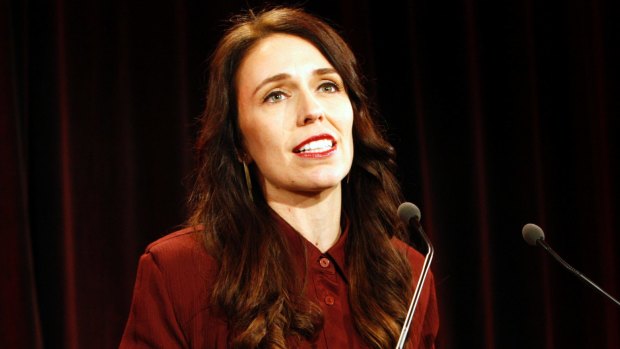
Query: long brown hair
x: 255, y: 287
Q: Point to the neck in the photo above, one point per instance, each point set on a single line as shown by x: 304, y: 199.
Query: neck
x: 315, y: 216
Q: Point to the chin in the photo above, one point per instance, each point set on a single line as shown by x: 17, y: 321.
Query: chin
x: 327, y: 182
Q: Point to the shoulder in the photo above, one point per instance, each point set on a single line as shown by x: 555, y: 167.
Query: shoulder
x: 416, y: 259
x: 181, y: 254
x: 178, y: 267
x: 172, y: 288
x: 186, y: 239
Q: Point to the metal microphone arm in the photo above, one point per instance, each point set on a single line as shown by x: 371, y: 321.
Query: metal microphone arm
x: 418, y: 289
x: 583, y: 278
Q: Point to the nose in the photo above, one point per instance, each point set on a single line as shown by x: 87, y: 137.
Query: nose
x: 310, y: 109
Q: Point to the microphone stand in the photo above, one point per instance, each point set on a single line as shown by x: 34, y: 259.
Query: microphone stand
x: 582, y: 277
x: 418, y: 289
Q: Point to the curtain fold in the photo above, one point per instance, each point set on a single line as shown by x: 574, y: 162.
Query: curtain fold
x: 501, y: 114
x: 21, y: 326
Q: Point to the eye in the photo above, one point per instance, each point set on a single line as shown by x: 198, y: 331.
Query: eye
x: 329, y: 87
x: 275, y: 97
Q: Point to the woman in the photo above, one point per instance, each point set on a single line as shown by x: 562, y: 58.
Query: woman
x: 293, y: 241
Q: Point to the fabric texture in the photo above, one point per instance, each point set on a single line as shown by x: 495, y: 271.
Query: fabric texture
x: 171, y: 303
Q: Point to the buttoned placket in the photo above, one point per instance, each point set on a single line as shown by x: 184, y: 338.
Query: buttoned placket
x: 328, y: 287
x: 324, y: 281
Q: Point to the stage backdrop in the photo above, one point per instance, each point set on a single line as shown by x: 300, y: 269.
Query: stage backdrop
x: 502, y: 113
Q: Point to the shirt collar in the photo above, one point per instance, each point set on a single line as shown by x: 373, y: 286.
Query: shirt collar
x: 300, y: 246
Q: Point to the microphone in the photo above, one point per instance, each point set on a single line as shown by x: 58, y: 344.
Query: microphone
x: 408, y: 213
x: 534, y: 235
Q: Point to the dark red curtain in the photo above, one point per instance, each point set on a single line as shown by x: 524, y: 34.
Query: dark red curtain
x: 502, y: 113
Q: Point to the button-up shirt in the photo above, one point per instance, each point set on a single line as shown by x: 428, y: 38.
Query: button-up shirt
x: 171, y: 305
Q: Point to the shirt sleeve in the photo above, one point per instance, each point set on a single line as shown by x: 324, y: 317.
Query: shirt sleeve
x: 152, y: 322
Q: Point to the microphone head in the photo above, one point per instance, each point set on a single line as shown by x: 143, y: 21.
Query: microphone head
x: 407, y: 210
x: 532, y: 233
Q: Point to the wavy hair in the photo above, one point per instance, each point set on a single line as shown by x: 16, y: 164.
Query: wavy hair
x: 255, y: 288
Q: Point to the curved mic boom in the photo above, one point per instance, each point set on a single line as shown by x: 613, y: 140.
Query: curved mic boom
x: 534, y: 235
x: 409, y: 212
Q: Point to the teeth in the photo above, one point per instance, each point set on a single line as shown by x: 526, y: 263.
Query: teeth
x: 319, y: 145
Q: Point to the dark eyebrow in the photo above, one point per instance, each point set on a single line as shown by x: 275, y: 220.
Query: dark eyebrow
x: 284, y: 76
x: 277, y: 77
x: 325, y: 71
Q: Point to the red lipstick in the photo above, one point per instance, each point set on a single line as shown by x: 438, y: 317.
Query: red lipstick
x: 318, y: 146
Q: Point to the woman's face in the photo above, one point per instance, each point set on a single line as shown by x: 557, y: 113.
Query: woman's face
x: 295, y: 117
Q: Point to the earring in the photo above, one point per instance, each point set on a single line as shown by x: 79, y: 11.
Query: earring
x: 248, y: 180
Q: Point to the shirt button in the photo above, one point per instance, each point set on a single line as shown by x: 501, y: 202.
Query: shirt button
x: 324, y: 262
x: 329, y: 300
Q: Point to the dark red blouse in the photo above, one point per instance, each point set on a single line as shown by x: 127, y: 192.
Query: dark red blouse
x: 171, y: 307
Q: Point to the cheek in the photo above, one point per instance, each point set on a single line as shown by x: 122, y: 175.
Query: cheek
x: 349, y: 133
x: 250, y: 137
x: 258, y: 138
x: 244, y: 132
x: 348, y: 126
x: 249, y: 126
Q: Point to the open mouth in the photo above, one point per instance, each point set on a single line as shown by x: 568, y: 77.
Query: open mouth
x: 320, y: 145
